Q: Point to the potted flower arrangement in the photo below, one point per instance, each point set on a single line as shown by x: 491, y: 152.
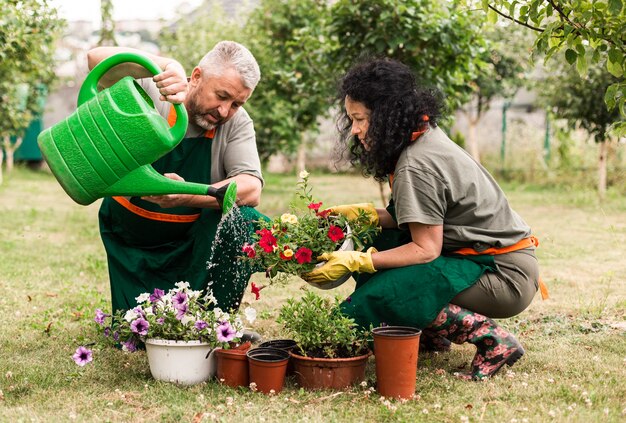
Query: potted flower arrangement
x: 289, y: 244
x: 331, y: 351
x: 179, y: 329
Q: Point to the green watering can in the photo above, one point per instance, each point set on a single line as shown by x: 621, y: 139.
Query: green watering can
x: 106, y: 146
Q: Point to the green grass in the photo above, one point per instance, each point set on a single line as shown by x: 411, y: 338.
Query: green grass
x: 53, y: 275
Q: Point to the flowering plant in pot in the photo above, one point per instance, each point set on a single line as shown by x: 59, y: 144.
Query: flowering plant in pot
x: 332, y: 351
x: 290, y: 244
x: 181, y: 321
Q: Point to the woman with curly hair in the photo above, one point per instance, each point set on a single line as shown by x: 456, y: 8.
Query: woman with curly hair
x: 453, y: 254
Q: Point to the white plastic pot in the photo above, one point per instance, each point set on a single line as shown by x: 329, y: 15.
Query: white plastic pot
x: 182, y: 362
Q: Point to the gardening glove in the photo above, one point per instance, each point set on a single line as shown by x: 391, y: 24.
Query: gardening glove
x: 351, y: 211
x: 339, y: 263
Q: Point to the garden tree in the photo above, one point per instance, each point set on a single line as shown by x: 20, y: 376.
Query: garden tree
x: 107, y: 32
x: 28, y: 31
x: 289, y: 41
x: 441, y: 41
x: 587, y: 32
x: 576, y: 99
x: 192, y: 36
x: 502, y: 73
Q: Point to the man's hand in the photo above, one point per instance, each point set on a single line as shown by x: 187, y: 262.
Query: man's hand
x: 351, y: 211
x: 339, y: 263
x: 170, y: 200
x: 172, y: 83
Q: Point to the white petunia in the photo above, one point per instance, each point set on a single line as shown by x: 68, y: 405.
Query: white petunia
x: 289, y: 218
x: 131, y: 315
x: 142, y: 298
x: 182, y: 285
x: 304, y: 174
x: 187, y: 319
x: 250, y: 314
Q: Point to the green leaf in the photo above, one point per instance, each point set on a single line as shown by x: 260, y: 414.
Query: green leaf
x: 615, y: 6
x: 609, y: 96
x: 582, y: 65
x: 492, y: 17
x: 570, y: 56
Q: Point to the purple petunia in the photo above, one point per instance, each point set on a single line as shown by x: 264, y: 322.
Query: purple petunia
x: 201, y: 325
x: 82, y: 356
x: 129, y: 346
x: 100, y: 316
x: 225, y: 332
x: 179, y: 299
x: 156, y: 295
x: 140, y: 326
x: 181, y: 310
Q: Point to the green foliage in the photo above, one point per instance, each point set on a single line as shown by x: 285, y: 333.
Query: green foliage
x: 576, y: 98
x: 193, y: 36
x: 28, y: 31
x: 587, y: 32
x: 107, y: 31
x: 290, y: 43
x: 441, y: 41
x: 319, y: 327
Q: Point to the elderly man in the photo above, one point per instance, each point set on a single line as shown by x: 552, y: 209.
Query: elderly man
x: 155, y: 241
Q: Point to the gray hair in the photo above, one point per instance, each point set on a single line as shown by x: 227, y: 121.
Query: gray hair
x: 227, y: 55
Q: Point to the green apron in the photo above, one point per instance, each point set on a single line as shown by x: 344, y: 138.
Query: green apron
x: 411, y: 295
x: 144, y: 253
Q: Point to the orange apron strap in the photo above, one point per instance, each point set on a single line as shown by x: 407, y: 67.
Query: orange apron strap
x: 171, y: 120
x: 163, y: 217
x: 524, y: 243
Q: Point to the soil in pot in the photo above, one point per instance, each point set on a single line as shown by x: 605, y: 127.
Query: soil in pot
x: 329, y: 373
x: 396, y: 352
x: 267, y: 368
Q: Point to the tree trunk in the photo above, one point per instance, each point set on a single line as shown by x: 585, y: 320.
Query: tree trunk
x: 301, y: 156
x: 472, y: 141
x: 9, y: 151
x: 602, y: 160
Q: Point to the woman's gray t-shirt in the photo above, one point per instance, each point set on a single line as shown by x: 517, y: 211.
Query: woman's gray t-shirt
x: 436, y: 182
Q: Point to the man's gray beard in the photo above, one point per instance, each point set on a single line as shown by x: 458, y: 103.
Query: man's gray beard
x: 203, y: 123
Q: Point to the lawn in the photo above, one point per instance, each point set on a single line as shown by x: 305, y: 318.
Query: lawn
x: 53, y: 276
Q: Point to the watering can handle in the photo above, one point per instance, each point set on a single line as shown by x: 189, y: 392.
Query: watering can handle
x: 89, y: 89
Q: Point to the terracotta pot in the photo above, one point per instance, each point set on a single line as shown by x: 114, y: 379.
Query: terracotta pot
x: 288, y: 345
x: 267, y: 368
x: 329, y: 373
x: 396, y: 350
x: 232, y: 366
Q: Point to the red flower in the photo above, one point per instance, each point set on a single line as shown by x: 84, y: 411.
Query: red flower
x: 324, y: 213
x: 335, y: 233
x: 249, y: 250
x: 267, y: 241
x: 303, y: 255
x: 256, y: 290
x: 315, y: 206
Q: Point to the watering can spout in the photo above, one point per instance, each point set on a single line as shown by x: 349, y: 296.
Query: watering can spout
x: 145, y: 181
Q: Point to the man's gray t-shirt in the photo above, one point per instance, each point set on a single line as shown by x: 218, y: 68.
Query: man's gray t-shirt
x: 233, y: 151
x: 436, y: 182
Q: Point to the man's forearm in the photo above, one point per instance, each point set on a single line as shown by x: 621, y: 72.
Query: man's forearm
x: 98, y: 54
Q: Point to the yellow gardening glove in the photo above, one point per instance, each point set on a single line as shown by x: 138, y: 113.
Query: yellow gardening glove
x: 339, y: 263
x: 351, y: 211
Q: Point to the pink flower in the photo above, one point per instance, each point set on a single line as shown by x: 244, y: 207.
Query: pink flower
x: 82, y: 356
x: 335, y: 233
x: 468, y: 321
x: 441, y: 318
x: 315, y: 206
x: 249, y: 250
x: 303, y: 255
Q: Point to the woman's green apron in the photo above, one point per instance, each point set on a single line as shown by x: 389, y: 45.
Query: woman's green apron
x: 149, y: 247
x: 411, y: 295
